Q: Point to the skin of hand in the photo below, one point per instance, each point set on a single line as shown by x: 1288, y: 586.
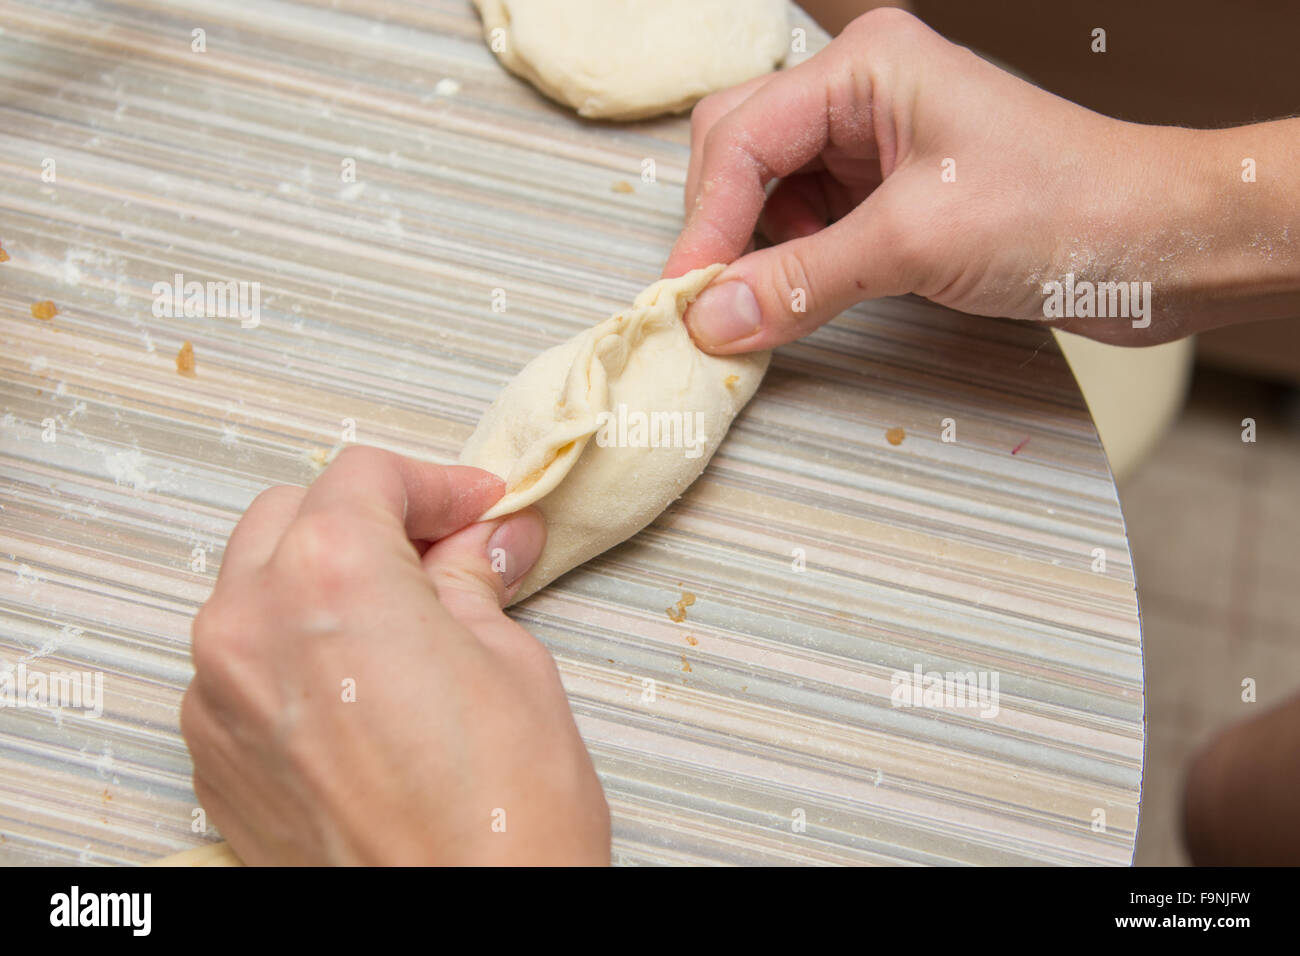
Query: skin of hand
x: 856, y: 142
x: 459, y: 747
x: 834, y: 15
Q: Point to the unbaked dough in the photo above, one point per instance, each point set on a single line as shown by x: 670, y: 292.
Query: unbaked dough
x: 574, y: 433
x: 629, y: 59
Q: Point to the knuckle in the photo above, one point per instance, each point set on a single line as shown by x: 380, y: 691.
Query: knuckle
x: 791, y: 279
x: 705, y: 114
x: 189, y: 715
x: 714, y: 144
x: 276, y: 495
x: 210, y: 630
x: 363, y: 457
x: 323, y: 551
x: 880, y: 20
x: 221, y: 651
x: 274, y: 500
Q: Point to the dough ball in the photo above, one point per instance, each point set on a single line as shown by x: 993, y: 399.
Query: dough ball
x: 603, y: 432
x: 629, y: 59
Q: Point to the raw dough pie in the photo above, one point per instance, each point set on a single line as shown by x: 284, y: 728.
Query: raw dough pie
x: 628, y: 59
x: 605, y: 431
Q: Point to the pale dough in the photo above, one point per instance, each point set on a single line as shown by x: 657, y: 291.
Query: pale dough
x: 629, y: 59
x: 596, y: 477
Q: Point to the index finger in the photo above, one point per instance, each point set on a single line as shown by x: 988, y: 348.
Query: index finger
x: 704, y: 117
x: 427, y: 501
x: 774, y: 132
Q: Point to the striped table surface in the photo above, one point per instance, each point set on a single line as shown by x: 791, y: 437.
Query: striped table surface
x: 914, y: 635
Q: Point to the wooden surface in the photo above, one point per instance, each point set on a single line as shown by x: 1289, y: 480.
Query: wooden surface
x: 773, y: 697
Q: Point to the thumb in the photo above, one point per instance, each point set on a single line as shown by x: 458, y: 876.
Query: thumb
x: 479, y: 568
x: 776, y: 295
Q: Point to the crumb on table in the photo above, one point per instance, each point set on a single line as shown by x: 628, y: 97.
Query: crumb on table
x: 185, y: 359
x: 678, y: 613
x: 895, y: 436
x: 44, y: 310
x: 622, y: 186
x: 731, y: 380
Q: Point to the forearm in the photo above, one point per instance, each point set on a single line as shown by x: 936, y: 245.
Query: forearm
x: 1207, y: 222
x: 1250, y: 268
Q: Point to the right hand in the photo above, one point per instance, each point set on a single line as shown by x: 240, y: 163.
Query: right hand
x: 859, y: 136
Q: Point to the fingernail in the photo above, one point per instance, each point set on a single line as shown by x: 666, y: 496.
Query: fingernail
x: 723, y: 314
x: 516, y: 545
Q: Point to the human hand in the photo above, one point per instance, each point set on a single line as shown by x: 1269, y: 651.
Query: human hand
x: 458, y: 747
x: 907, y: 164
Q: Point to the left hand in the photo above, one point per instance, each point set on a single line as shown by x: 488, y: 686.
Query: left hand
x: 355, y: 702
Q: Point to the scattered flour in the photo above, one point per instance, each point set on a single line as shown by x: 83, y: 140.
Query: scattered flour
x: 104, y: 765
x: 27, y: 577
x: 128, y: 468
x: 66, y: 633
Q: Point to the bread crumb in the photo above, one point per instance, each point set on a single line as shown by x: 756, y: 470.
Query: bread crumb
x: 44, y: 310
x: 731, y: 380
x: 692, y: 640
x: 895, y: 436
x: 4, y: 256
x: 686, y: 666
x: 622, y: 186
x: 185, y: 360
x: 678, y: 614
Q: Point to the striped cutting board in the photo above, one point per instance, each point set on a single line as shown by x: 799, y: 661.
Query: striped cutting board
x: 841, y: 553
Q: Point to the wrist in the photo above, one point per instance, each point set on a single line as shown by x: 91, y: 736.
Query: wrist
x: 1170, y: 216
x: 1230, y: 248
